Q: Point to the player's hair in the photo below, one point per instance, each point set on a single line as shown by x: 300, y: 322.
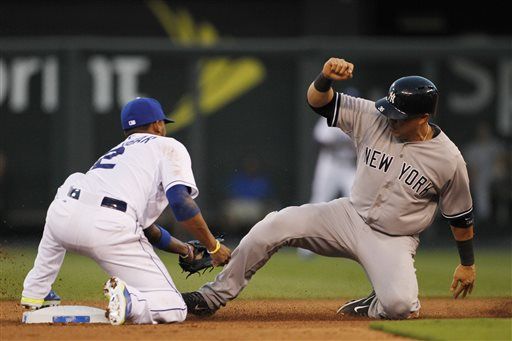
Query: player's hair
x: 140, y: 129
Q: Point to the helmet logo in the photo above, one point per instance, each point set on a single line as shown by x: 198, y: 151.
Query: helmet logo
x: 391, y: 97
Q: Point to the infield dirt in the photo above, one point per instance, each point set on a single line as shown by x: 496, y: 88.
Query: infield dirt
x: 248, y: 320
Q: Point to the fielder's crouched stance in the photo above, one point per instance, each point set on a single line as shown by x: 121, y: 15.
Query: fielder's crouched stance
x: 406, y: 167
x: 108, y: 214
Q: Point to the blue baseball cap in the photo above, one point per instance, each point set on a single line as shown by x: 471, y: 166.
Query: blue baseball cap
x: 141, y: 111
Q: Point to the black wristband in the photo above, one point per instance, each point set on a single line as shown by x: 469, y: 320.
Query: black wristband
x: 322, y: 83
x: 466, y: 254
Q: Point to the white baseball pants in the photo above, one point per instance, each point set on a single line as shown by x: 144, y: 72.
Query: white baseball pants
x: 113, y: 239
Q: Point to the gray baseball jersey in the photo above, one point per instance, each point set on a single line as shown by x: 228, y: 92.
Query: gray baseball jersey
x: 398, y: 184
x: 395, y: 196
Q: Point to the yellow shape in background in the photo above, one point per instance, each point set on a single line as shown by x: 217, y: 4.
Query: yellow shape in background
x: 221, y: 80
x: 216, y: 92
x: 238, y: 77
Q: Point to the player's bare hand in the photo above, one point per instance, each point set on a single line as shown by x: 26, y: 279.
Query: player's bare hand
x: 222, y: 256
x: 338, y: 69
x: 463, y: 280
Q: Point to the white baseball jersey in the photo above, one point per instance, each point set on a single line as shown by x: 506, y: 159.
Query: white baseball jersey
x: 138, y: 171
x: 399, y: 184
x: 146, y: 166
x: 339, y: 145
x: 335, y: 168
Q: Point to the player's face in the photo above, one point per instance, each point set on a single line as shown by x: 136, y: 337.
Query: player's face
x: 407, y: 130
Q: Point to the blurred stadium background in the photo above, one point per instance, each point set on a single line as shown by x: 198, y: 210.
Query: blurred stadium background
x: 233, y: 75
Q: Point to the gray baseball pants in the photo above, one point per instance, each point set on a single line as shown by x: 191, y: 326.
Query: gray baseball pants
x: 332, y: 229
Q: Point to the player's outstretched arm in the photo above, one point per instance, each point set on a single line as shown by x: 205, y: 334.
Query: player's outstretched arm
x: 161, y: 238
x: 187, y: 213
x: 465, y: 274
x: 196, y: 225
x: 320, y: 92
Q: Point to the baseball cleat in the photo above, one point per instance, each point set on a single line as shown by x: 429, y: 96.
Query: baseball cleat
x: 119, y: 301
x: 196, y: 304
x: 357, y: 307
x: 51, y: 300
x: 414, y: 315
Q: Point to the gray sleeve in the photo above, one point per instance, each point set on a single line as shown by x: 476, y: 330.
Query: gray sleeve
x: 354, y: 115
x: 455, y: 198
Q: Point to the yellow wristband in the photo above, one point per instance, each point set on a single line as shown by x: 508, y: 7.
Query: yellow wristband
x: 217, y: 248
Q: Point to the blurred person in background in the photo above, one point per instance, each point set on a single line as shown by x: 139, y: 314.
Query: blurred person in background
x: 335, y: 167
x: 249, y: 195
x: 483, y: 155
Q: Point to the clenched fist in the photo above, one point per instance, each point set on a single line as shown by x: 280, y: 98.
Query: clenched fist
x: 463, y: 280
x: 338, y: 69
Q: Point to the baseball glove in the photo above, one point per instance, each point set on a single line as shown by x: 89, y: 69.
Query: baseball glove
x: 198, y: 259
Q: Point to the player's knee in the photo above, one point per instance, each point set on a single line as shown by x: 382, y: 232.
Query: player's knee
x: 397, y: 308
x: 287, y: 219
x: 174, y: 316
x: 265, y: 226
x: 265, y: 233
x: 252, y: 241
x: 181, y: 316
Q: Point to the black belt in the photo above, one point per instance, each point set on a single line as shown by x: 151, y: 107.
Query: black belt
x: 105, y: 202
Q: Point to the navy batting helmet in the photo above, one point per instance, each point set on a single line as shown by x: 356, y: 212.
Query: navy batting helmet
x: 409, y: 97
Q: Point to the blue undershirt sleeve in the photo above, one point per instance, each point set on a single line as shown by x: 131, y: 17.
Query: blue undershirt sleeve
x: 165, y: 239
x: 182, y: 204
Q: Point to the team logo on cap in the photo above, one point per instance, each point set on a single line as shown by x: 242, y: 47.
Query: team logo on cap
x: 132, y: 122
x: 391, y: 97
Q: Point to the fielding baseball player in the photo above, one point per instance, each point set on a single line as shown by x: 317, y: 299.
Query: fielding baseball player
x: 108, y: 214
x: 406, y: 168
x: 335, y: 169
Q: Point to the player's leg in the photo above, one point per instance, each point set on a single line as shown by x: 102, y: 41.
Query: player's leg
x: 389, y: 264
x: 114, y: 241
x: 50, y: 255
x: 312, y: 226
x: 154, y: 287
x: 322, y: 189
x: 127, y: 255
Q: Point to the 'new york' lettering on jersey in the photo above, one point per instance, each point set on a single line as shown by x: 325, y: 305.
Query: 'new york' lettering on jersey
x: 408, y: 174
x: 377, y: 159
x: 400, y: 185
x: 413, y: 178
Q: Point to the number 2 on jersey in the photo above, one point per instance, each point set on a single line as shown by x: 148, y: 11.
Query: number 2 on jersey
x: 111, y: 154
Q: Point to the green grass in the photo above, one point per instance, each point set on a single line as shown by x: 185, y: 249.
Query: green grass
x: 494, y: 272
x: 465, y: 329
x: 285, y: 276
